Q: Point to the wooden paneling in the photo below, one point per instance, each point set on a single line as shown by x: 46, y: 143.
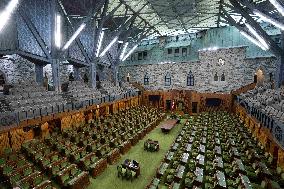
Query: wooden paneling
x: 19, y: 136
x: 4, y: 142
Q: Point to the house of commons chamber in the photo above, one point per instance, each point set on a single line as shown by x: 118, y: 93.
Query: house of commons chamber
x: 142, y: 94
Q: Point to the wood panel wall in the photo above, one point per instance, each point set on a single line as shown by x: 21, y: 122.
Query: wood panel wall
x: 188, y: 97
x: 263, y: 135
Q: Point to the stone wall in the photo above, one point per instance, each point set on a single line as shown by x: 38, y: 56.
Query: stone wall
x: 230, y: 62
x: 17, y: 69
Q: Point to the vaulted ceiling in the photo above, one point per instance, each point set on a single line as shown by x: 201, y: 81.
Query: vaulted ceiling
x: 170, y: 17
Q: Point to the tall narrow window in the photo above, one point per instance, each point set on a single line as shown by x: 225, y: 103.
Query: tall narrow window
x: 184, y: 51
x: 168, y: 79
x: 140, y: 55
x: 170, y: 51
x: 145, y: 54
x: 190, y: 79
x: 146, y: 79
x: 215, y: 77
x: 223, y: 77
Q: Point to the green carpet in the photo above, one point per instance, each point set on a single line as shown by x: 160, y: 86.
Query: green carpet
x: 149, y: 162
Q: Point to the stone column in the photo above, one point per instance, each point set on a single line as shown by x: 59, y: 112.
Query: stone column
x: 39, y: 74
x: 56, y: 74
x: 279, y: 78
x: 76, y: 73
x: 92, y: 75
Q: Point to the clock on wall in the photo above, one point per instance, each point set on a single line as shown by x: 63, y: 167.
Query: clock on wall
x: 221, y: 62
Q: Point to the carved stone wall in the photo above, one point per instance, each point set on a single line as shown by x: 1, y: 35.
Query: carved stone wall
x: 230, y: 63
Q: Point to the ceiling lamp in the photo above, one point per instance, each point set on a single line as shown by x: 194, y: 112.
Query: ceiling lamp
x: 6, y: 14
x: 253, y: 40
x: 109, y: 46
x: 278, y: 6
x: 269, y: 19
x: 123, y: 51
x: 100, y: 43
x: 58, y: 31
x: 74, y: 36
x: 130, y: 52
x: 258, y: 37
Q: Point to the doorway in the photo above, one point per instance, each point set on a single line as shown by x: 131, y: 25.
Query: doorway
x: 194, y: 107
x: 259, y: 76
x: 168, y: 105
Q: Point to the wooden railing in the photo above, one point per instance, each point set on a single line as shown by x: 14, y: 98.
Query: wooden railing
x: 244, y: 89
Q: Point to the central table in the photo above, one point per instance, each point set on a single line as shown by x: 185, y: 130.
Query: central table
x: 167, y: 125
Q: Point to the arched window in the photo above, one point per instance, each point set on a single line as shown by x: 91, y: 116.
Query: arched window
x: 146, y: 79
x: 215, y: 77
x: 223, y: 77
x: 168, y: 79
x: 190, y: 79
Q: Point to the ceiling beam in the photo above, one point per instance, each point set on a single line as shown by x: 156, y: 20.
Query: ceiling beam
x: 219, y: 14
x: 122, y: 1
x: 273, y: 46
x: 35, y: 33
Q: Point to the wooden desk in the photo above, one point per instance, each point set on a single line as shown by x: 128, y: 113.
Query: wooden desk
x: 179, y: 173
x: 163, y: 167
x: 218, y: 162
x: 199, y: 176
x: 203, y: 141
x: 188, y: 147
x: 129, y: 165
x: 184, y: 158
x: 175, y: 146
x: 169, y: 156
x: 235, y: 152
x: 202, y: 149
x: 218, y: 150
x: 245, y: 182
x: 167, y: 125
x: 190, y: 140
x: 200, y: 159
x: 221, y: 181
x: 240, y: 168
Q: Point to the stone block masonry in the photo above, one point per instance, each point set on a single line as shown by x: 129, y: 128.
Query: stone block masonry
x: 228, y: 64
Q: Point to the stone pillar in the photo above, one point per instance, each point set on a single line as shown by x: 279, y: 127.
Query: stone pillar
x: 76, y: 73
x: 39, y: 74
x: 92, y: 75
x: 56, y: 74
x: 279, y: 78
x: 115, y: 75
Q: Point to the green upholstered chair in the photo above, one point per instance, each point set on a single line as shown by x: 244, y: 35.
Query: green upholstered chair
x: 130, y: 174
x: 27, y: 171
x: 121, y: 172
x: 37, y: 180
x: 7, y: 170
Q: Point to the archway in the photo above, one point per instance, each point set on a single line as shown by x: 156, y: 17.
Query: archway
x: 259, y: 76
x: 2, y: 81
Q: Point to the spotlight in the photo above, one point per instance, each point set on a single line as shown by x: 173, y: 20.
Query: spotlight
x: 253, y: 40
x: 100, y: 43
x: 278, y: 6
x: 109, y: 46
x: 258, y: 37
x: 123, y: 51
x: 74, y: 36
x: 6, y: 14
x: 269, y: 19
x: 130, y: 52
